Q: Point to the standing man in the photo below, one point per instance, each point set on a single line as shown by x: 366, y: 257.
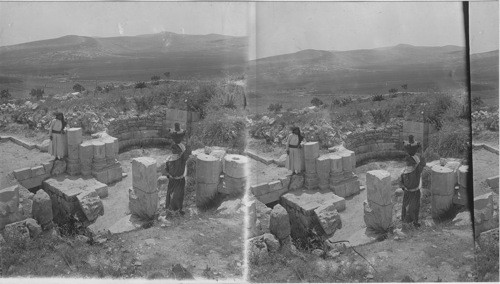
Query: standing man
x: 176, y: 173
x: 410, y: 182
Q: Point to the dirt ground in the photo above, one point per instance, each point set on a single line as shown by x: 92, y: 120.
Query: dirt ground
x: 15, y: 157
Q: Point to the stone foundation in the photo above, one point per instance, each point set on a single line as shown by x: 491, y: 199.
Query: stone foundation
x: 308, y: 210
x: 71, y: 196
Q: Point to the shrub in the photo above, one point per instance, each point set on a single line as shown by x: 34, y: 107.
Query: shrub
x: 477, y: 101
x: 122, y: 103
x: 378, y: 98
x: 491, y: 123
x: 155, y: 80
x: 78, y: 88
x: 230, y: 102
x: 5, y: 95
x: 380, y: 116
x: 275, y: 107
x: 109, y: 88
x: 393, y: 91
x: 452, y: 141
x: 140, y: 85
x: 219, y: 130
x: 98, y: 89
x: 144, y: 103
x: 316, y: 102
x: 37, y: 93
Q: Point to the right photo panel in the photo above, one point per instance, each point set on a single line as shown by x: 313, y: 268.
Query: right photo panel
x: 360, y: 117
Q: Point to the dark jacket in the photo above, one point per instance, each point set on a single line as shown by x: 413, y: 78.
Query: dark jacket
x: 411, y: 180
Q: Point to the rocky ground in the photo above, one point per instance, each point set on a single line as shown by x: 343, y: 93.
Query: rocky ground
x: 434, y: 252
x: 200, y: 244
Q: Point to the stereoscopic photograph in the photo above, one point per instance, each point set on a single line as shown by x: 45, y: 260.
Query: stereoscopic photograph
x: 260, y: 142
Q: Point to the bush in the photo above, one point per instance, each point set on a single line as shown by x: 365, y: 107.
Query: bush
x: 452, y: 141
x: 275, y: 107
x: 219, y: 130
x: 378, y: 98
x: 108, y: 88
x: 316, y: 102
x: 5, y: 95
x: 230, y: 102
x: 78, y: 88
x: 98, y: 89
x: 477, y: 101
x: 381, y: 116
x: 140, y: 85
x: 144, y: 103
x: 37, y: 93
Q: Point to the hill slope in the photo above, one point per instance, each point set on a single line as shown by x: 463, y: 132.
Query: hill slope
x: 117, y: 56
x: 368, y: 70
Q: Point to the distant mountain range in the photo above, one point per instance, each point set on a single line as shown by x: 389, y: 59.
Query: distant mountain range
x: 368, y: 70
x: 355, y: 71
x: 126, y: 55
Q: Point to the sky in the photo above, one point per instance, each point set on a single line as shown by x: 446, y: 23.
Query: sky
x: 29, y: 21
x: 290, y: 27
x: 273, y: 27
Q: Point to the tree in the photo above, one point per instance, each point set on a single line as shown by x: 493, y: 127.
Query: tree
x: 78, y: 88
x: 37, y: 93
x: 5, y: 95
x: 316, y: 102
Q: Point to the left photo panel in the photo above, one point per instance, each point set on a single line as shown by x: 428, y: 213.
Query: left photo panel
x: 122, y: 140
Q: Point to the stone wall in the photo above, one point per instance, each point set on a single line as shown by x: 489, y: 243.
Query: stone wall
x: 381, y: 143
x: 149, y: 130
x: 33, y: 177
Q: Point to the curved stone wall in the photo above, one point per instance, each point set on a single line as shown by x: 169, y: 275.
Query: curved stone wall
x: 376, y: 144
x: 149, y: 130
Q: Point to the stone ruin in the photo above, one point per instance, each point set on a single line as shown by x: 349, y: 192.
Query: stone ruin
x: 219, y: 172
x: 65, y: 189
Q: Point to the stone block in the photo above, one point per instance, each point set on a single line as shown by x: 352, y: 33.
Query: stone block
x: 377, y: 217
x: 336, y: 163
x: 347, y: 160
x: 352, y: 187
x: 275, y: 185
x: 42, y: 209
x: 463, y: 172
x: 339, y: 189
x: 47, y: 166
x: 101, y: 175
x: 442, y: 181
x: 102, y: 192
x: 483, y: 207
x: 310, y: 166
x: 59, y: 167
x: 378, y: 187
x: 233, y: 186
x: 74, y: 136
x: 16, y: 233
x: 307, y: 200
x: 37, y: 171
x: 73, y: 152
x: 279, y: 224
x: 144, y: 174
x: 328, y: 218
x: 115, y: 173
x: 272, y: 196
x: 99, y: 150
x: 235, y: 165
x: 260, y: 189
x: 34, y: 181
x: 86, y: 151
x: 311, y: 150
x: 34, y: 228
x: 91, y: 204
x: 22, y: 174
x: 208, y: 169
x: 205, y: 193
x: 143, y: 204
x: 323, y: 165
x: 492, y: 182
x: 285, y: 181
x: 440, y: 204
